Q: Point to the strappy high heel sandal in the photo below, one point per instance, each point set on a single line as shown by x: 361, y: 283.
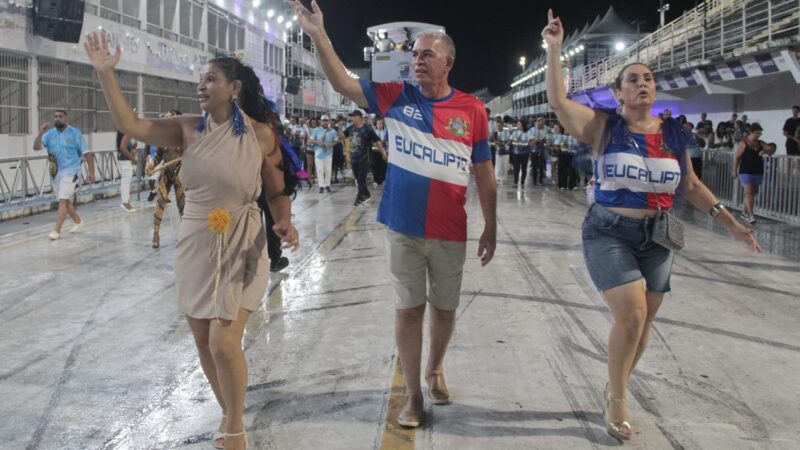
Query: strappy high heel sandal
x: 218, y: 438
x: 243, y: 432
x: 615, y: 429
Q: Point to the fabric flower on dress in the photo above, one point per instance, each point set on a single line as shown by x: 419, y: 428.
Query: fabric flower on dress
x: 219, y: 220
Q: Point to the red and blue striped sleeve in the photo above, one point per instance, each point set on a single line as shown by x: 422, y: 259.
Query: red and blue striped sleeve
x: 480, y: 140
x: 381, y: 96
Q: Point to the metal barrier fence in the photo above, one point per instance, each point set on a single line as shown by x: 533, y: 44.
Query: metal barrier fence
x: 779, y: 195
x: 25, y: 180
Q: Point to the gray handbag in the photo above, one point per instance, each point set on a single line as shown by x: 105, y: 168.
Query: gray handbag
x: 667, y: 230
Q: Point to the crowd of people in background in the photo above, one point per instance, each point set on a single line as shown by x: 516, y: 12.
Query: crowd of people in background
x: 340, y: 150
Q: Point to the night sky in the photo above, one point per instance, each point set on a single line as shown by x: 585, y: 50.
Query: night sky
x: 489, y: 40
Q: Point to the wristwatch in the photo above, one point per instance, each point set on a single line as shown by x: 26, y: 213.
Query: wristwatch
x: 716, y: 210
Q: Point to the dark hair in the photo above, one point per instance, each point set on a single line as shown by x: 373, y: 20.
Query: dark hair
x: 256, y: 106
x: 61, y: 111
x: 175, y: 112
x: 618, y: 80
x: 524, y: 125
x: 755, y: 126
x: 796, y: 107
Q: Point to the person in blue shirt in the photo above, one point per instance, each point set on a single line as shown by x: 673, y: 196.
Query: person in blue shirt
x: 68, y: 146
x: 323, y: 139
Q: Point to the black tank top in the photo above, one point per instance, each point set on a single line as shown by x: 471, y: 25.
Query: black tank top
x: 752, y: 163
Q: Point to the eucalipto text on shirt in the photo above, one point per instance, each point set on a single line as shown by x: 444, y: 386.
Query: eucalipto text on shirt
x: 640, y: 174
x: 432, y: 155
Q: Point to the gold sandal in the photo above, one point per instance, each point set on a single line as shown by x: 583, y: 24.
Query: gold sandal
x: 614, y: 429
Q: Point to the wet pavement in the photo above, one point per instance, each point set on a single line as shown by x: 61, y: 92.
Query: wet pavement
x: 95, y: 354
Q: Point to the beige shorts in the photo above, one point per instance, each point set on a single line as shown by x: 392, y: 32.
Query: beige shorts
x: 425, y: 270
x: 64, y: 187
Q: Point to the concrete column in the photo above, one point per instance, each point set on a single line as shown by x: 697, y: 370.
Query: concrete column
x: 140, y: 95
x: 143, y: 15
x: 33, y: 109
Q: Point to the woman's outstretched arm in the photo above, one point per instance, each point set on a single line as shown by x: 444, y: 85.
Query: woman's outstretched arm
x: 167, y: 132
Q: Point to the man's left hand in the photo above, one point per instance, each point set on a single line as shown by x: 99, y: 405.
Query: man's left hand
x: 486, y: 246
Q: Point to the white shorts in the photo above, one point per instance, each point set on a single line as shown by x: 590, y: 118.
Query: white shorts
x: 418, y: 265
x: 64, y: 187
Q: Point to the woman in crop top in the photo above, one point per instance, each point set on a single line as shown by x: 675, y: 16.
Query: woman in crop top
x: 640, y: 162
x: 748, y: 166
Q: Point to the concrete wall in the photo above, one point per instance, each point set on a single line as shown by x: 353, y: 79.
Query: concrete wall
x: 143, y: 53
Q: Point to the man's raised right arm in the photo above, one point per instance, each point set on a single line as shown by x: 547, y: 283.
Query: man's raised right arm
x: 37, y: 143
x: 312, y: 24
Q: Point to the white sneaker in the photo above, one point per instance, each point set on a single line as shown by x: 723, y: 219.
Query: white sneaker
x: 751, y: 220
x: 132, y: 209
x: 54, y: 235
x: 76, y: 228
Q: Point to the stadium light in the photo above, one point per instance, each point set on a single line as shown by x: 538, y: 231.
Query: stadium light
x: 256, y: 3
x: 270, y: 13
x: 619, y: 46
x: 280, y: 19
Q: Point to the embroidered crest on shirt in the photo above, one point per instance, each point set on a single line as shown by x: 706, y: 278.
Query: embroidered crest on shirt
x: 458, y: 126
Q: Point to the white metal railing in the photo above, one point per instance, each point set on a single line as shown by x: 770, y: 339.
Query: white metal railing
x: 714, y: 28
x: 779, y: 195
x: 25, y: 180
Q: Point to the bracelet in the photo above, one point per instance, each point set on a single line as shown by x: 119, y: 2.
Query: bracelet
x: 716, y: 210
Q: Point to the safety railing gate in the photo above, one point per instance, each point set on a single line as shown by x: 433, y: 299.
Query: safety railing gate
x: 778, y: 196
x: 25, y: 180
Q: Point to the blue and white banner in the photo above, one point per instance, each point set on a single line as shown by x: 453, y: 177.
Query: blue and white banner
x: 747, y: 67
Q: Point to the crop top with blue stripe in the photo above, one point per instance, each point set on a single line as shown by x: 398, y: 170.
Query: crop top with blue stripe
x: 639, y: 171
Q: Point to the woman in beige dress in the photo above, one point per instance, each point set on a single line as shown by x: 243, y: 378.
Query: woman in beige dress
x: 230, y: 153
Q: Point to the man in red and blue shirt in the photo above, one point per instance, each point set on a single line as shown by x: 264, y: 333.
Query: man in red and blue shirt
x: 436, y: 137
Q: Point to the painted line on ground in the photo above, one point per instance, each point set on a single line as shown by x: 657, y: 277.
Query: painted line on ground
x: 395, y: 436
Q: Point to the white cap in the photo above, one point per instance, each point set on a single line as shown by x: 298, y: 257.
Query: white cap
x: 324, y: 117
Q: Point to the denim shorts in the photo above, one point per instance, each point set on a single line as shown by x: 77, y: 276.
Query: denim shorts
x: 619, y: 250
x: 746, y: 178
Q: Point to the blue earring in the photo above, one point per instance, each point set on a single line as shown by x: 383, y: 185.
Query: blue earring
x: 237, y: 118
x: 201, y: 126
